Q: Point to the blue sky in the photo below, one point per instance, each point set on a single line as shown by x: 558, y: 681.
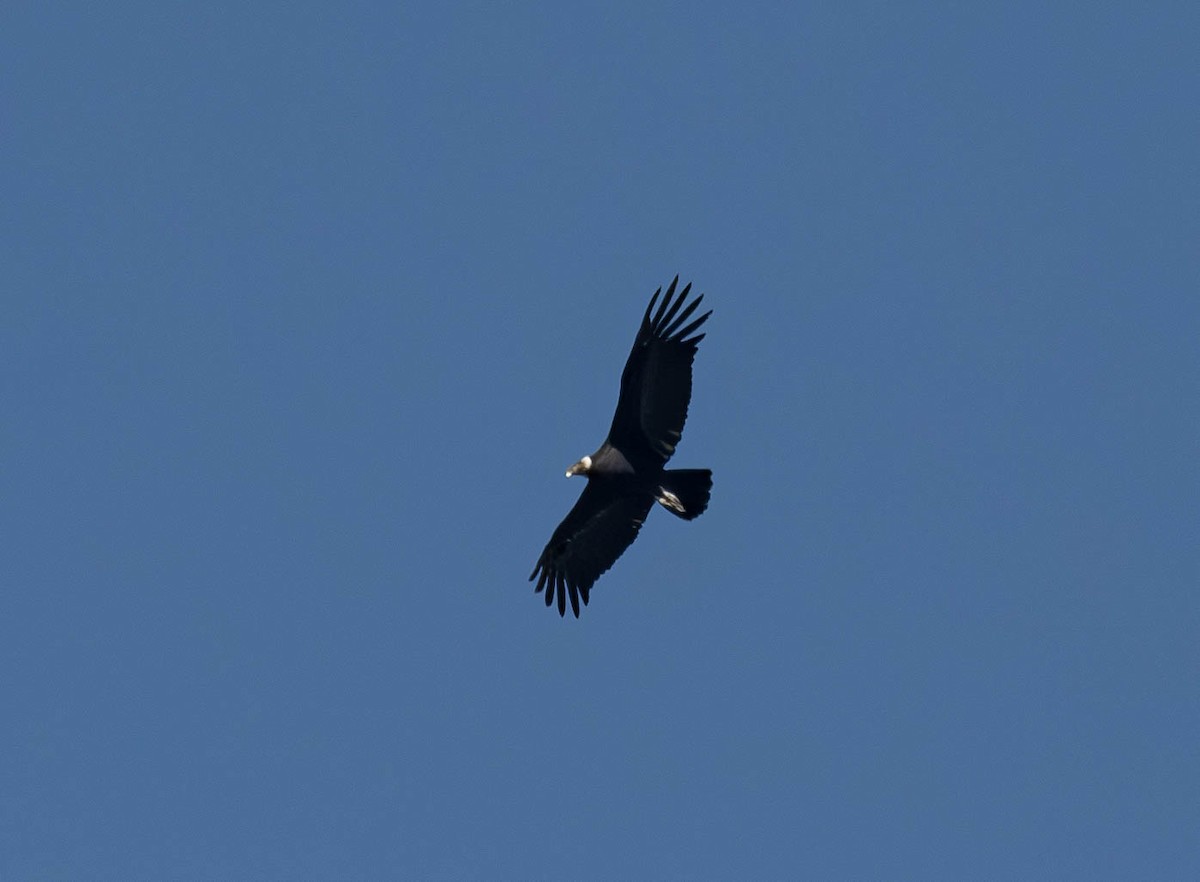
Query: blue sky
x: 308, y: 307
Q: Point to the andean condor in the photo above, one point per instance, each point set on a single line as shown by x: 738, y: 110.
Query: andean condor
x: 626, y: 476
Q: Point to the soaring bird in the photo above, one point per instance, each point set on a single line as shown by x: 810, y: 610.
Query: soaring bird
x: 627, y: 475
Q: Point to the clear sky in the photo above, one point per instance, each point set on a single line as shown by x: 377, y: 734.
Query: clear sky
x: 307, y: 307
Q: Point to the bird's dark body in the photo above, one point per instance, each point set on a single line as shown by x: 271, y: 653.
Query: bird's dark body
x: 627, y: 474
x: 608, y: 462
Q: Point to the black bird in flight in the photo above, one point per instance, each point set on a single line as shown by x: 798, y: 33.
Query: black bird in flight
x: 626, y: 476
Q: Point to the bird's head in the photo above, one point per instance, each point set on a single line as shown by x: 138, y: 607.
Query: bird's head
x: 581, y: 467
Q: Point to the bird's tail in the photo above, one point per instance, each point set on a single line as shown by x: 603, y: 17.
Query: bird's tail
x: 684, y: 492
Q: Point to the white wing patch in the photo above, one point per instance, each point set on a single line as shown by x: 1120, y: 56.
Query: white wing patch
x: 667, y: 499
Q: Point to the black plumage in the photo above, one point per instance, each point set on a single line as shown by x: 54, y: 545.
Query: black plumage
x: 627, y: 475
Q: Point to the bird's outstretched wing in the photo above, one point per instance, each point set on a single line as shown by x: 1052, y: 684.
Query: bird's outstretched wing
x: 656, y: 385
x: 595, y: 532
